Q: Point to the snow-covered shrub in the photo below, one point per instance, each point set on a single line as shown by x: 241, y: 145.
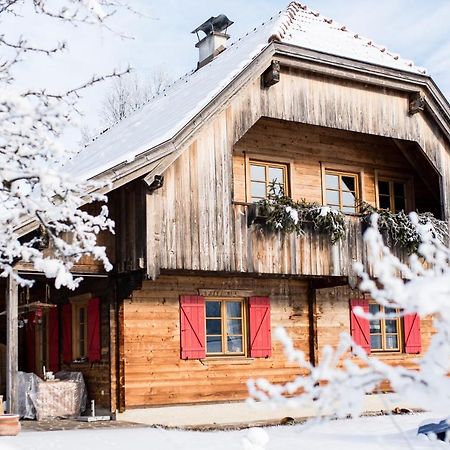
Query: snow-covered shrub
x: 337, y: 385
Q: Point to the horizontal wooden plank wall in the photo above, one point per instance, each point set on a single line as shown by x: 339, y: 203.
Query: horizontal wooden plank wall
x: 155, y: 374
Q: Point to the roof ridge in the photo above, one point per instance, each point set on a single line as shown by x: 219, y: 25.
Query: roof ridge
x: 291, y: 13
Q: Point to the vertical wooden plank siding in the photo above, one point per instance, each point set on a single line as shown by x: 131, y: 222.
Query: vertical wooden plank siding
x: 324, y: 122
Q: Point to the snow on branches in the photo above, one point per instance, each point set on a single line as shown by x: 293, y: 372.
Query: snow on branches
x: 33, y: 188
x: 337, y: 385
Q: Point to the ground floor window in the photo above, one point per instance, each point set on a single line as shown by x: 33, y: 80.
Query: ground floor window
x: 393, y: 332
x: 385, y: 333
x: 225, y: 326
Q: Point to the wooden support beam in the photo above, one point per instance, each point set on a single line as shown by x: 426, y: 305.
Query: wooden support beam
x: 12, y: 347
x: 416, y: 103
x: 312, y: 316
x: 272, y: 75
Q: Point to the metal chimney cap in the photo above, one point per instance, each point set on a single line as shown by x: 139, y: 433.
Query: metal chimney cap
x: 216, y: 24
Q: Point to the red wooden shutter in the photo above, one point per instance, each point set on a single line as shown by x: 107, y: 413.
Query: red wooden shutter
x: 94, y: 344
x: 192, y: 327
x: 360, y: 328
x: 31, y: 342
x: 413, y: 341
x: 53, y: 340
x: 67, y: 333
x: 260, y: 334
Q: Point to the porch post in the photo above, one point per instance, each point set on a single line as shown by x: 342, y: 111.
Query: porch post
x: 12, y: 336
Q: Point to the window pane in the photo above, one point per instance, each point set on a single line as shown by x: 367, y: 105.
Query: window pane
x: 258, y: 173
x: 348, y: 199
x: 374, y: 308
x: 375, y: 342
x: 349, y: 209
x: 348, y: 183
x: 276, y: 174
x: 383, y: 188
x: 390, y: 311
x: 391, y: 326
x: 332, y: 181
x: 399, y: 189
x: 391, y: 341
x: 332, y: 198
x: 234, y: 326
x: 213, y: 326
x: 399, y: 203
x: 213, y: 344
x: 258, y: 189
x: 234, y: 344
x: 385, y: 201
x: 234, y: 309
x: 375, y: 326
x: 213, y: 309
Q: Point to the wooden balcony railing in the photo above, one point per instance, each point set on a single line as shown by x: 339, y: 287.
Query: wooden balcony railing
x: 261, y: 251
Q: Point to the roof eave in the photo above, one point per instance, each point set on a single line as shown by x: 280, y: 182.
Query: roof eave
x: 338, y: 66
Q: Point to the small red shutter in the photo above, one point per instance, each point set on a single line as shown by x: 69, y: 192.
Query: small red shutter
x: 192, y: 327
x: 31, y: 342
x: 260, y: 334
x: 53, y: 340
x: 360, y: 328
x: 94, y: 345
x: 67, y: 333
x: 413, y: 341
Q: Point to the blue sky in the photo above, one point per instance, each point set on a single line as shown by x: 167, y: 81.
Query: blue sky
x: 416, y: 29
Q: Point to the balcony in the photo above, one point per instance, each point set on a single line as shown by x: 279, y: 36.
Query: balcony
x: 259, y: 251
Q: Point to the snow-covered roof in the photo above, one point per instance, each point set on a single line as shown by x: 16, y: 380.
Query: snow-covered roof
x: 166, y: 114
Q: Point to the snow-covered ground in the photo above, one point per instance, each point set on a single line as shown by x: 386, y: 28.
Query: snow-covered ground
x: 396, y: 432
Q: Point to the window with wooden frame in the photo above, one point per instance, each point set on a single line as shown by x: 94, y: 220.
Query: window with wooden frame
x: 392, y: 195
x: 81, y: 340
x: 80, y: 329
x: 225, y: 327
x: 385, y: 333
x: 264, y: 174
x: 389, y: 334
x: 341, y: 190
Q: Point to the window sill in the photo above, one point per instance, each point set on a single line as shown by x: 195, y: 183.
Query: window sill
x: 228, y: 360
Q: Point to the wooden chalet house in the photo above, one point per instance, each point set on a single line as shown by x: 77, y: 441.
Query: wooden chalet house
x: 187, y: 314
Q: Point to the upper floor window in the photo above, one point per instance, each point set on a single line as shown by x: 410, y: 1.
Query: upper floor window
x: 265, y: 174
x: 384, y: 333
x: 392, y: 195
x: 341, y: 190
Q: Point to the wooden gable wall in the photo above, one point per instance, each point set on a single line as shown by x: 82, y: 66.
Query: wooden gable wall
x: 192, y: 223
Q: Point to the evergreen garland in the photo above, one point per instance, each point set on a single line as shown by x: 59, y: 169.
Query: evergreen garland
x: 400, y: 231
x: 281, y: 213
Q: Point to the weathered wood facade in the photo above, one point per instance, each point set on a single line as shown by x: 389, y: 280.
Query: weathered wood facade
x: 189, y: 234
x: 198, y: 235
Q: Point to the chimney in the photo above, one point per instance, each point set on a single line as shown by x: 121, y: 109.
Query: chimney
x: 215, y: 40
